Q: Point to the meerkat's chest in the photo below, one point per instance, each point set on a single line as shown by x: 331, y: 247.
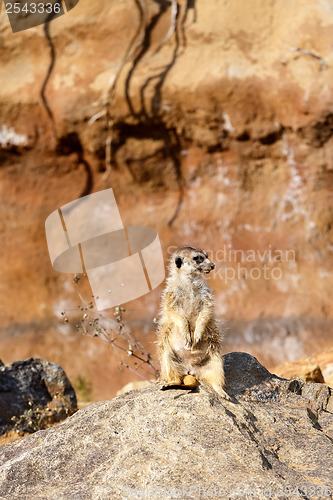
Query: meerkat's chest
x: 191, y: 305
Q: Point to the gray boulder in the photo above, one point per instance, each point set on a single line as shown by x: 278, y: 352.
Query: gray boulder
x: 274, y: 440
x: 34, y: 394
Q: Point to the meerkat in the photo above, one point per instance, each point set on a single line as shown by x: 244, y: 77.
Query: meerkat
x: 189, y: 339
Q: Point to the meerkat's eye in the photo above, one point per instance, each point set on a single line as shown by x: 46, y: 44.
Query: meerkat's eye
x: 198, y: 259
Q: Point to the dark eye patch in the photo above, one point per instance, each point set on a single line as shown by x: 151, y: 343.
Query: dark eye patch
x: 198, y: 259
x: 179, y: 262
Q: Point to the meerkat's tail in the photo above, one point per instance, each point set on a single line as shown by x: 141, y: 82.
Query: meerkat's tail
x: 213, y: 374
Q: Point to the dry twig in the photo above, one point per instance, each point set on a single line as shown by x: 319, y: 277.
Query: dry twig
x: 114, y: 332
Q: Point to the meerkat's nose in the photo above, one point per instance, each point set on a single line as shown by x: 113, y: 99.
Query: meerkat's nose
x: 212, y: 265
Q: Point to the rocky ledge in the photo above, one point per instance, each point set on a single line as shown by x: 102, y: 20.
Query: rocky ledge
x: 273, y: 440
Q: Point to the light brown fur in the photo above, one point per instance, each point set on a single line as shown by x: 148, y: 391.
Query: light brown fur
x: 189, y: 339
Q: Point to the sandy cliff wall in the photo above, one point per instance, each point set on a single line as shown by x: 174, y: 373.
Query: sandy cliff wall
x: 221, y: 138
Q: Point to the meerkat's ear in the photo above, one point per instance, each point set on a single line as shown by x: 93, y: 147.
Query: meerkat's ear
x: 178, y: 262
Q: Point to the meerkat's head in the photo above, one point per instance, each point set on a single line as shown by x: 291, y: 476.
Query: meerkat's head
x: 190, y: 261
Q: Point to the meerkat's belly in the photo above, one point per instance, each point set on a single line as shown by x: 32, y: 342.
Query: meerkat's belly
x: 191, y: 357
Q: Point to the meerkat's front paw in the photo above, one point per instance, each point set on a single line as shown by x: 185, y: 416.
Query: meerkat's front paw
x: 197, y: 336
x: 188, y: 343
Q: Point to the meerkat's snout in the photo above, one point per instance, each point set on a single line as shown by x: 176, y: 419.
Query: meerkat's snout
x: 212, y: 266
x: 207, y: 266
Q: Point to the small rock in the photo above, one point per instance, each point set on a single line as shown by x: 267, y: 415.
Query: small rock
x: 34, y: 394
x: 310, y: 372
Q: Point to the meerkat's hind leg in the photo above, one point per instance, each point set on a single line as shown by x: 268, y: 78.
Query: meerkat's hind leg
x: 188, y: 382
x: 171, y: 371
x: 213, y: 374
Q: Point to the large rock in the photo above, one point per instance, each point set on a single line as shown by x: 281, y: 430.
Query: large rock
x: 34, y: 394
x: 273, y: 440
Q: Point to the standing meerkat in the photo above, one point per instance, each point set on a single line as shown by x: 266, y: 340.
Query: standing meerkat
x: 189, y: 340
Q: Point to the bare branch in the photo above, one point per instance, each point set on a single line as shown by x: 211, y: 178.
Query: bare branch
x: 113, y: 332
